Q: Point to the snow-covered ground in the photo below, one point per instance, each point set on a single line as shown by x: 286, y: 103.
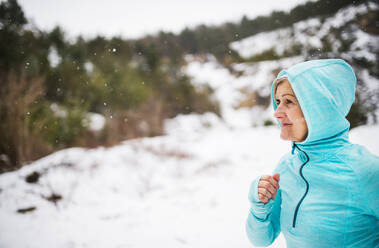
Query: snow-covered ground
x: 185, y: 189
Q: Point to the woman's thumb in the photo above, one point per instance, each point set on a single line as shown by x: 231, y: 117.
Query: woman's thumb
x: 276, y: 177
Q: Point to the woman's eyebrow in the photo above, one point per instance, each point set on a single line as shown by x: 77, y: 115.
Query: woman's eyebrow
x: 288, y: 95
x: 276, y: 98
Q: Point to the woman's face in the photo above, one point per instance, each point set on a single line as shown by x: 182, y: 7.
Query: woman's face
x: 289, y: 113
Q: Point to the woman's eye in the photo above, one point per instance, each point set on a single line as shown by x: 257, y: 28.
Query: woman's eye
x: 287, y: 101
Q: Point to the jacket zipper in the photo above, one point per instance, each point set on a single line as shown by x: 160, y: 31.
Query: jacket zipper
x: 307, y: 184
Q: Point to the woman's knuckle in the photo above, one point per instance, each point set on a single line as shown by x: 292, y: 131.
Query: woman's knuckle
x: 273, y: 189
x: 264, y: 177
x: 272, y: 181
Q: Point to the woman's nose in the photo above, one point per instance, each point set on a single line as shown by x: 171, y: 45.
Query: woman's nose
x: 279, y: 113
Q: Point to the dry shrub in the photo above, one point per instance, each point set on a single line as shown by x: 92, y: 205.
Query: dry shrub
x: 18, y: 144
x: 145, y: 121
x: 251, y: 99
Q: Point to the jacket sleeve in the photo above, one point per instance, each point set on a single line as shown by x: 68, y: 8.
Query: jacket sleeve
x: 263, y: 221
x: 368, y: 175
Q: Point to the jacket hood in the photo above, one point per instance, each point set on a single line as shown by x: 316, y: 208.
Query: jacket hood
x: 325, y: 90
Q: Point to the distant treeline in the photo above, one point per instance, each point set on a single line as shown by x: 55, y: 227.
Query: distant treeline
x: 216, y: 39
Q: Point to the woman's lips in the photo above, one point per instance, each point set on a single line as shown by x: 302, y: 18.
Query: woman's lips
x: 286, y: 124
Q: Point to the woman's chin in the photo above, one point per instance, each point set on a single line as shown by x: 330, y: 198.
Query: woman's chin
x: 284, y: 136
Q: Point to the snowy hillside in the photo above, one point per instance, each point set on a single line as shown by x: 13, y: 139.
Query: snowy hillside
x: 238, y: 89
x: 311, y: 33
x: 338, y: 36
x: 239, y: 105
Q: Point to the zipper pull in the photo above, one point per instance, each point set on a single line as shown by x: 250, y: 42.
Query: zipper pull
x: 293, y: 148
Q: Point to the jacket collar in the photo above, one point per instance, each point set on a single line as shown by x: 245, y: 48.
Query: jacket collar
x: 322, y: 148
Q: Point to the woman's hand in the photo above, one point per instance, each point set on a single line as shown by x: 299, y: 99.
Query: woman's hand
x: 267, y: 187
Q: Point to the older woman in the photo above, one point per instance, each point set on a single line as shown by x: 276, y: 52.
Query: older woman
x: 325, y: 192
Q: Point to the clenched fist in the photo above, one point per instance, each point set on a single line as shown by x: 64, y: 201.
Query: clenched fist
x: 267, y: 187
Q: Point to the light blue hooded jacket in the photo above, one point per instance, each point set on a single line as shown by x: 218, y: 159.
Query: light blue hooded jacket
x: 329, y: 188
